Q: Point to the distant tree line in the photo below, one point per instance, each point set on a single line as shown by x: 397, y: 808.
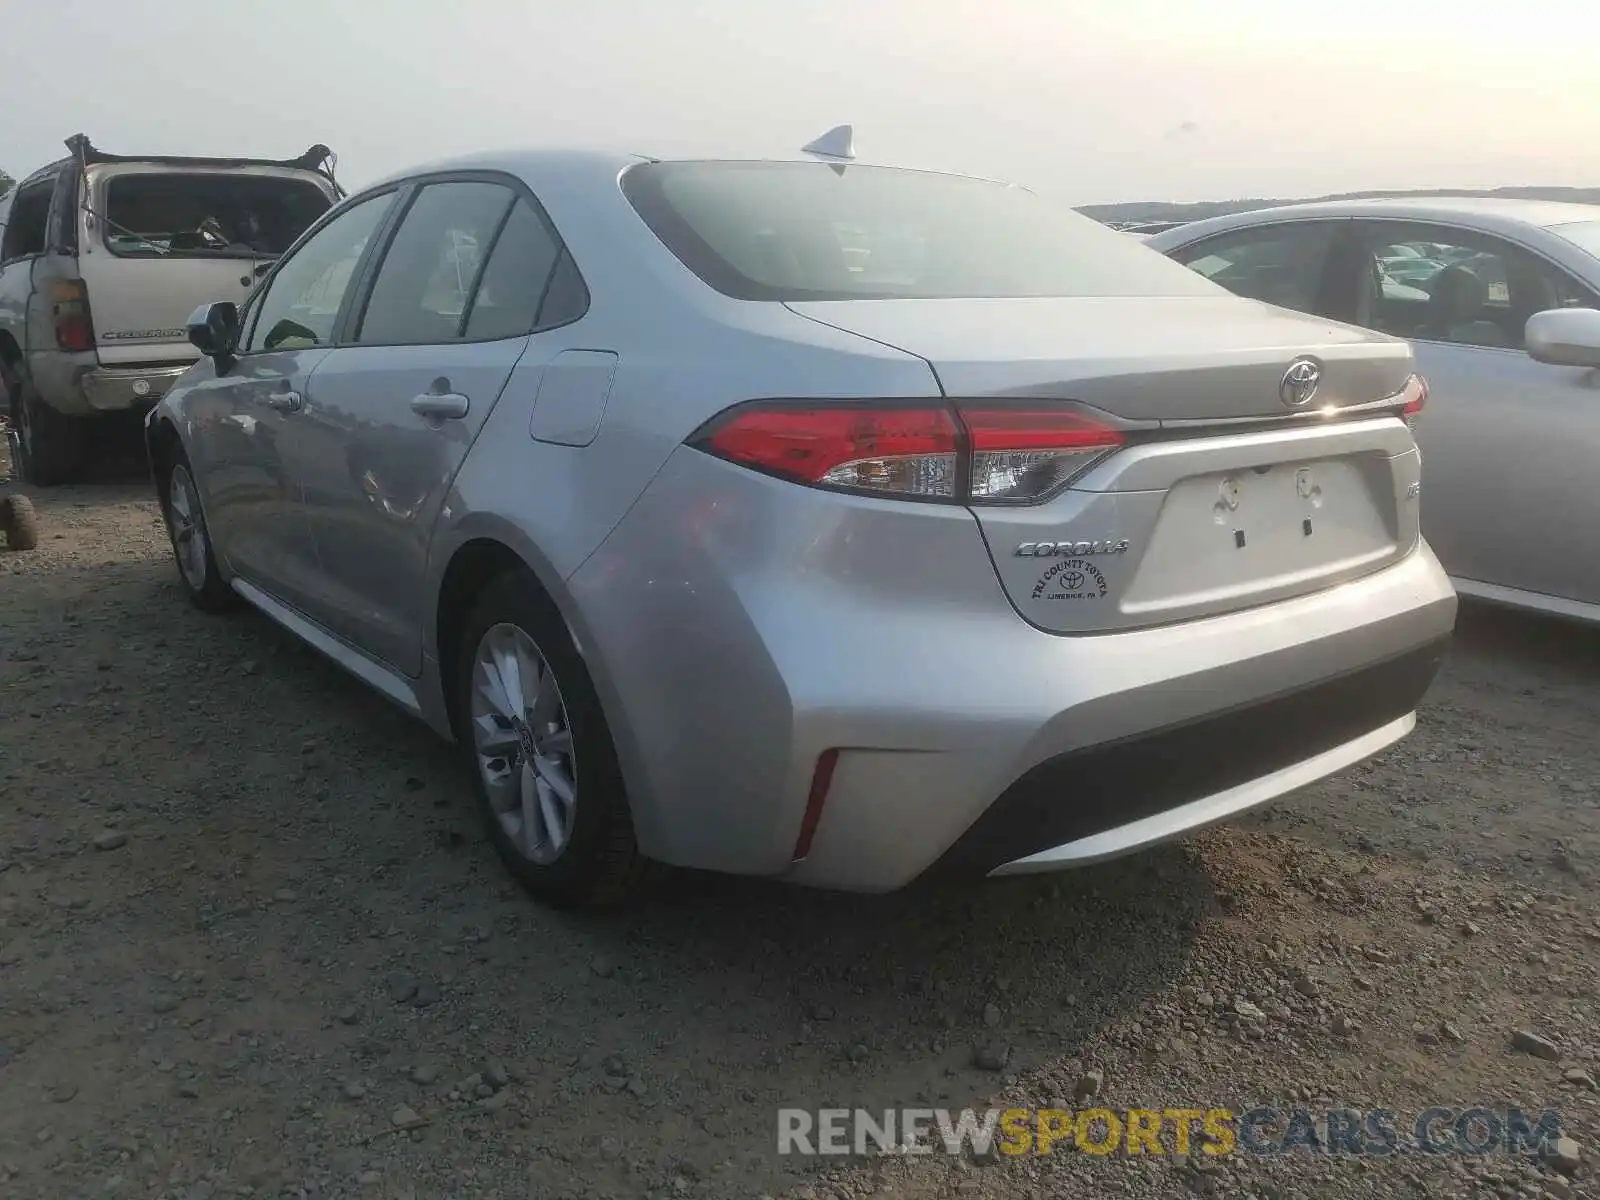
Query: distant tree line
x: 5, y: 183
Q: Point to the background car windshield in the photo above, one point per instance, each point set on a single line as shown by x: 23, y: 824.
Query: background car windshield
x: 1585, y: 234
x: 813, y: 231
x: 170, y: 213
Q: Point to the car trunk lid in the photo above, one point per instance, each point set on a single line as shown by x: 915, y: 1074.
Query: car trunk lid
x: 1140, y: 358
x: 1220, y: 497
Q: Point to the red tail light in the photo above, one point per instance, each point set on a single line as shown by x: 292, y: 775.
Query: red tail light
x: 1414, y: 396
x: 968, y: 452
x: 69, y: 308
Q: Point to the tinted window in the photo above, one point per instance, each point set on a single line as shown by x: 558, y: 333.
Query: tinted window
x: 1438, y: 284
x: 1280, y: 264
x: 166, y: 213
x: 514, y: 282
x: 811, y: 231
x: 302, y: 302
x: 566, y: 299
x: 428, y: 273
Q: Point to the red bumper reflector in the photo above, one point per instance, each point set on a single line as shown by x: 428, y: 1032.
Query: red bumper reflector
x: 821, y: 781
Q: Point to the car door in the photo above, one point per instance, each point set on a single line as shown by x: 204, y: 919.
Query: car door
x: 448, y: 308
x: 1298, y: 264
x: 1506, y: 441
x: 244, y: 441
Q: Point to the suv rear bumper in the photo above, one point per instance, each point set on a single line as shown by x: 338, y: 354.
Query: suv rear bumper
x: 76, y: 385
x: 116, y: 389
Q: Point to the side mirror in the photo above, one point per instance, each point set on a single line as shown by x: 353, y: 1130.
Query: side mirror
x: 1564, y: 337
x: 213, y: 329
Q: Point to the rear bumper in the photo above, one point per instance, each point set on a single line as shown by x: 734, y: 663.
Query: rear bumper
x: 1125, y: 834
x: 740, y: 626
x: 77, y: 385
x: 117, y: 389
x: 1111, y: 799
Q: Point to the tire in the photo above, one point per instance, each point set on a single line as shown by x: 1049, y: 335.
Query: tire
x: 191, y: 540
x: 19, y: 522
x: 598, y: 864
x: 51, y: 444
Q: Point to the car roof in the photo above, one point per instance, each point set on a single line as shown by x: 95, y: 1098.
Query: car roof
x: 1484, y: 211
x: 584, y: 165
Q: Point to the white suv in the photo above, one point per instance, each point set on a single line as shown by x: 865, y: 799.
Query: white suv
x: 103, y: 257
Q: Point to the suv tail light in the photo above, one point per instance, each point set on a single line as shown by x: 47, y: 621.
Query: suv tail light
x: 69, y: 309
x: 969, y: 452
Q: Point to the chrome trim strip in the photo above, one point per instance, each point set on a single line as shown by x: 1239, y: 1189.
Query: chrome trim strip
x: 385, y: 682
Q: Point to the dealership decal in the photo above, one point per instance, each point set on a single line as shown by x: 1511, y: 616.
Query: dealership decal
x: 1071, y: 579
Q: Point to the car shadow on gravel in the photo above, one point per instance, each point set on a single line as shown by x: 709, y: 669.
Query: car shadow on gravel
x: 1565, y: 646
x: 113, y: 461
x: 301, y: 896
x: 724, y: 999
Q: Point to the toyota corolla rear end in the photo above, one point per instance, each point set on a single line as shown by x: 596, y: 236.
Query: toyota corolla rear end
x: 1143, y: 556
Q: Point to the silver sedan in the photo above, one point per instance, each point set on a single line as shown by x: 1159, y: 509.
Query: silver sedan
x: 1501, y: 301
x: 808, y: 518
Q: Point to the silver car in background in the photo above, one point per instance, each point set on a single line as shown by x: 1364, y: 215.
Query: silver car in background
x: 810, y: 519
x: 1501, y: 300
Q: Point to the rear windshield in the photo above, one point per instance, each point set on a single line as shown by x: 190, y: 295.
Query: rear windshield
x: 208, y: 215
x: 814, y: 231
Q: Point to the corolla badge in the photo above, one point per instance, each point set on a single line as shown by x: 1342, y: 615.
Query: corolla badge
x: 1071, y: 549
x: 1300, y: 382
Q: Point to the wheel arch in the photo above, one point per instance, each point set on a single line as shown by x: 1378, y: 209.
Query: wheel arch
x: 162, y: 441
x: 481, y: 548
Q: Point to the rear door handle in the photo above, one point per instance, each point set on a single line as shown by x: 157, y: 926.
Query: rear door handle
x: 441, y: 405
x: 285, y: 401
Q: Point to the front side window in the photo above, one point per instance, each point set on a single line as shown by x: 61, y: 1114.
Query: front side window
x: 814, y: 231
x: 301, y: 304
x: 162, y: 214
x: 431, y: 268
x: 1447, y: 285
x: 1279, y: 264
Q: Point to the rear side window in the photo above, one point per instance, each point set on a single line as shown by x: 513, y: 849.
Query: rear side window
x: 816, y: 231
x: 157, y: 214
x: 27, y: 226
x: 525, y: 271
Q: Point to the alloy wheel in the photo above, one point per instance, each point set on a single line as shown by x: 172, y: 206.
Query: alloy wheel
x: 188, y: 528
x: 523, y: 740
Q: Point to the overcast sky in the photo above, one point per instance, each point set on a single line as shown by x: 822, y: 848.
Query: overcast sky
x: 1089, y: 100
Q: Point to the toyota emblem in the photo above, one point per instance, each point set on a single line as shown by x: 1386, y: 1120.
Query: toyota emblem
x: 1300, y: 382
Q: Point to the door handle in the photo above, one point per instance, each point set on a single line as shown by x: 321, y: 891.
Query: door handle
x: 285, y: 401
x: 440, y: 405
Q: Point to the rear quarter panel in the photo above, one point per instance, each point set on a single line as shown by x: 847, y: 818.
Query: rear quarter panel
x: 684, y: 353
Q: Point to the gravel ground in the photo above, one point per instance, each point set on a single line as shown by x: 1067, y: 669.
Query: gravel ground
x: 252, y: 943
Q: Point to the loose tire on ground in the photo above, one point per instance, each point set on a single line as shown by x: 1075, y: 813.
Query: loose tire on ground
x: 600, y: 864
x: 19, y: 522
